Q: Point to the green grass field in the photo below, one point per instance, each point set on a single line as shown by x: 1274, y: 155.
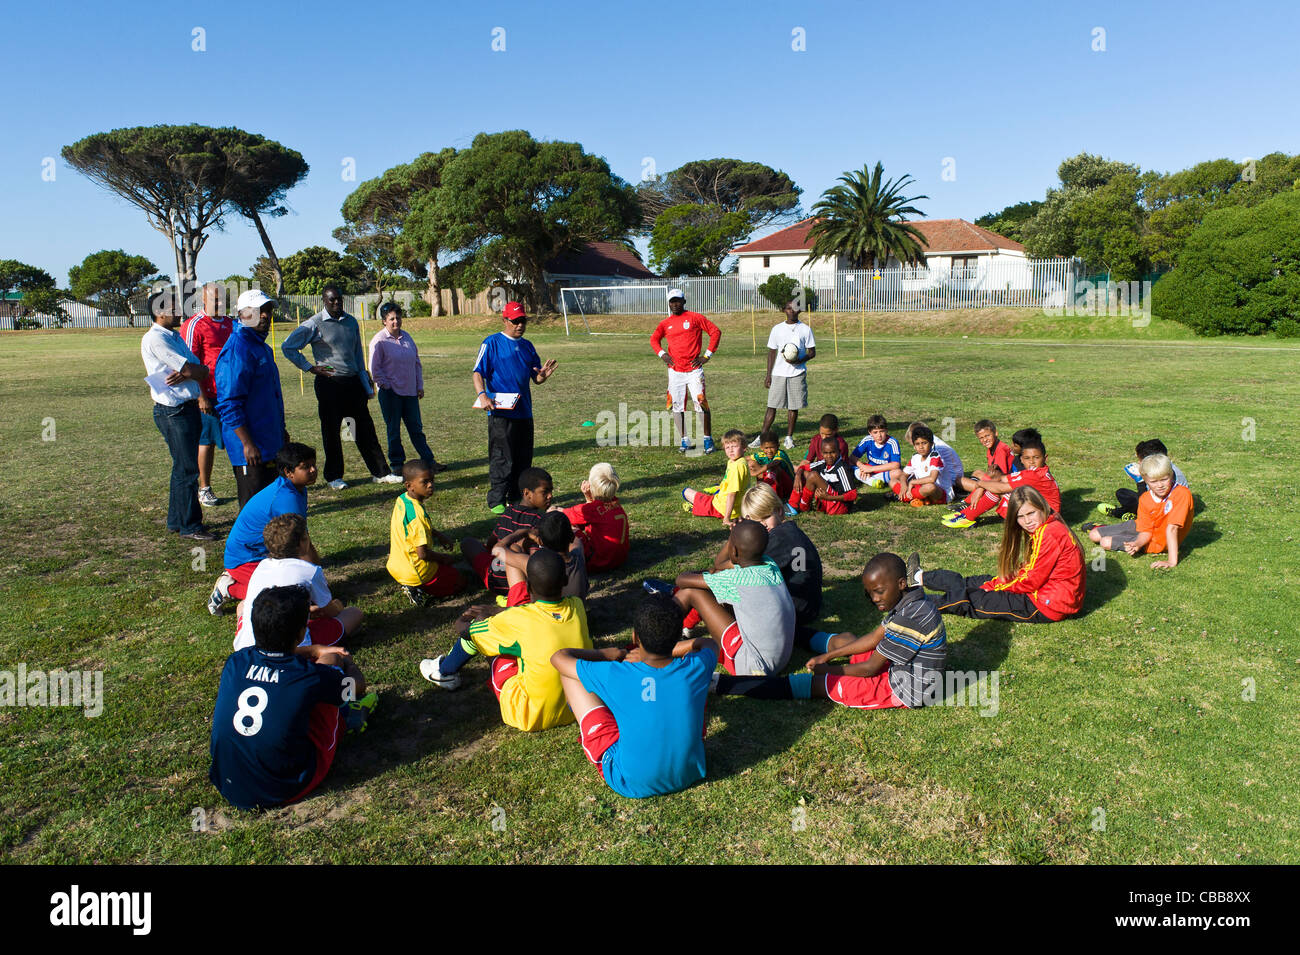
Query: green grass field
x: 1122, y: 736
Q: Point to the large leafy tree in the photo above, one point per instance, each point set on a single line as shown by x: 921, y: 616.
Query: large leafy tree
x: 18, y: 276
x: 1054, y: 229
x: 864, y: 219
x: 309, y: 270
x: 513, y: 203
x: 696, y: 213
x: 1010, y: 222
x: 388, y: 221
x: 110, y: 279
x: 1239, y: 271
x: 691, y: 239
x: 263, y: 171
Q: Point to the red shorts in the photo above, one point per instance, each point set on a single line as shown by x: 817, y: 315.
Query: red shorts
x: 598, y: 732
x: 482, y: 564
x: 503, y: 668
x: 518, y: 594
x: 806, y: 500
x: 731, y: 642
x: 702, y: 506
x: 862, y: 692
x: 239, y: 589
x: 444, y: 583
x: 323, y: 731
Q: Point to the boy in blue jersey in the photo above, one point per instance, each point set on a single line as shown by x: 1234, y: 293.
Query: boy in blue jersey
x: 280, y: 707
x: 641, y: 712
x: 505, y: 365
x: 296, y: 464
x: 877, y: 454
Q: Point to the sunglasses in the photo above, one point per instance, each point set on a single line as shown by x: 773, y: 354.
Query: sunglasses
x: 517, y: 321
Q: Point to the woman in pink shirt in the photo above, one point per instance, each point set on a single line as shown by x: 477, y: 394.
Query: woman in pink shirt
x: 395, y: 368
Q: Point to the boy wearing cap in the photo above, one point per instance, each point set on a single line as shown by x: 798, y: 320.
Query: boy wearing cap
x: 787, y: 381
x: 681, y: 353
x: 506, y: 364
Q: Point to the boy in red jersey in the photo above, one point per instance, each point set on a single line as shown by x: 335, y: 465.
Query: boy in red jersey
x: 1047, y: 585
x: 1033, y: 473
x: 681, y: 353
x: 204, y: 333
x: 600, y: 521
x: 1000, y: 463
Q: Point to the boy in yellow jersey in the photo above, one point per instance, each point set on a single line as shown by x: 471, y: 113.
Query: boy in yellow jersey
x: 724, y: 501
x: 522, y: 639
x: 424, y: 574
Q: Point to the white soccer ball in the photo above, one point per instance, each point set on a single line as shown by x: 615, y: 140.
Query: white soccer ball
x: 790, y: 352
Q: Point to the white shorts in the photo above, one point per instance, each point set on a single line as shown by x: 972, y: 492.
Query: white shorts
x: 683, y: 383
x: 879, y: 479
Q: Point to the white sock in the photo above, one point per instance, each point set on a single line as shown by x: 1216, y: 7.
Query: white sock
x: 917, y: 578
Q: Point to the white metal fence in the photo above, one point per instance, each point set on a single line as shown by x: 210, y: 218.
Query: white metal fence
x: 1000, y: 282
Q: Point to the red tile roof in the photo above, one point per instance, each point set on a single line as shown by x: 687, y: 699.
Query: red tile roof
x: 941, y: 235
x: 600, y: 258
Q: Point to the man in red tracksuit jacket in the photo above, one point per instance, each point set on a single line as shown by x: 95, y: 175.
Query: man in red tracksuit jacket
x: 677, y: 341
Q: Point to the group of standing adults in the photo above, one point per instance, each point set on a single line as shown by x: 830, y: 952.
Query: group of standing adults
x: 218, y: 386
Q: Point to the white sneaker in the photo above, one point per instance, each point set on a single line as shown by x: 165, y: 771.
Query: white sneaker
x: 788, y: 443
x: 338, y: 484
x: 755, y: 442
x: 431, y: 671
x: 220, y: 601
x: 388, y: 479
x: 206, y: 497
x: 713, y: 682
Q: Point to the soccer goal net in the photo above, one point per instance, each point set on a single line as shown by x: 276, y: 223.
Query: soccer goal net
x: 581, y: 301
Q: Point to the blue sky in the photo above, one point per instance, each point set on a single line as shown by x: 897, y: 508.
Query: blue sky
x: 1007, y: 90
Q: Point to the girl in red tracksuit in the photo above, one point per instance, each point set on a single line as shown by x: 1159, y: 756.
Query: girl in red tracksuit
x: 1047, y: 585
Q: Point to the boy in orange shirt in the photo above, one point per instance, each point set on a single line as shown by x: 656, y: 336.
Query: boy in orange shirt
x: 1164, y: 517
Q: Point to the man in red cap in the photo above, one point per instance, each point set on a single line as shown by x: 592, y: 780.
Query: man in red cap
x: 506, y: 364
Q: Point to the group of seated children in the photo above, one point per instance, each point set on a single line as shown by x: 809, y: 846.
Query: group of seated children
x: 1163, y: 504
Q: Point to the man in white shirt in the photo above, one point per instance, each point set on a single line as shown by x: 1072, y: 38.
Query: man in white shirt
x: 787, y: 381
x: 173, y: 373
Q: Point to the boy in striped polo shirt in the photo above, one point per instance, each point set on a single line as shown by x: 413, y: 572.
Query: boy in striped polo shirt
x: 900, y: 663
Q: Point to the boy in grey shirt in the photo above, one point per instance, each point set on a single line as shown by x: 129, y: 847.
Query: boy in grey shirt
x: 747, y: 607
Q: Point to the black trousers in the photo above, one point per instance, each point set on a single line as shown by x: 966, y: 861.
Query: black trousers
x: 1128, y: 498
x: 963, y: 596
x: 251, y: 479
x: 345, y: 397
x: 510, y: 453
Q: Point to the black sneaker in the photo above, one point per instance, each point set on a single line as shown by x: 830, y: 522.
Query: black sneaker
x: 913, y: 567
x: 437, y: 467
x: 202, y: 534
x: 653, y: 585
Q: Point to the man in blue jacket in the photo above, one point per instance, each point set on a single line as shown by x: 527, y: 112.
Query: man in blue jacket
x: 249, y: 401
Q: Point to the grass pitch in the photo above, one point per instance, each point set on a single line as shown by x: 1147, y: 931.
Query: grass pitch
x: 1159, y: 726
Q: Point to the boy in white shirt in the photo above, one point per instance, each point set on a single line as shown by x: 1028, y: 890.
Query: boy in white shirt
x: 287, y: 564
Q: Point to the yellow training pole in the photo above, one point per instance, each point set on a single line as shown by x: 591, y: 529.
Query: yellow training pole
x: 835, y: 332
x: 753, y: 335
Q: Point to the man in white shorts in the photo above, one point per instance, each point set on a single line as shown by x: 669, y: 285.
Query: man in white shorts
x: 787, y: 381
x: 677, y: 341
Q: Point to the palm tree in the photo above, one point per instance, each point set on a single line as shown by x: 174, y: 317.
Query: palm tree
x: 862, y: 219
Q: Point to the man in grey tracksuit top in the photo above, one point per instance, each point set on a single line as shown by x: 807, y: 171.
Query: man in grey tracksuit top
x: 343, y: 385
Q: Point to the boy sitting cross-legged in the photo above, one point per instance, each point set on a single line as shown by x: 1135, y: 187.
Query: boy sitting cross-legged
x: 771, y: 465
x: 291, y: 562
x: 537, y: 490
x: 998, y: 456
x: 641, y: 712
x: 747, y: 607
x: 828, y: 486
x: 877, y: 454
x: 900, y: 663
x: 724, y: 503
x: 1164, y: 516
x: 553, y: 532
x: 423, y: 573
x: 522, y: 641
x: 920, y: 481
x: 281, y: 707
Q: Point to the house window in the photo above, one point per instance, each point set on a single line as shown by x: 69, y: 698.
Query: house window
x: 767, y: 261
x: 964, y: 262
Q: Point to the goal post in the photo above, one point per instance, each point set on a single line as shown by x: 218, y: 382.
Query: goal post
x: 583, y: 300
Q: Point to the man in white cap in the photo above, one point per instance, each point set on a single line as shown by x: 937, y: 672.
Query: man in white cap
x: 248, y: 396
x: 681, y: 335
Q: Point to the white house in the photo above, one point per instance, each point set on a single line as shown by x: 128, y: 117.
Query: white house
x: 966, y: 251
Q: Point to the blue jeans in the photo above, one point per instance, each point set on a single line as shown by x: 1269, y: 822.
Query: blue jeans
x: 180, y: 428
x: 396, y: 409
